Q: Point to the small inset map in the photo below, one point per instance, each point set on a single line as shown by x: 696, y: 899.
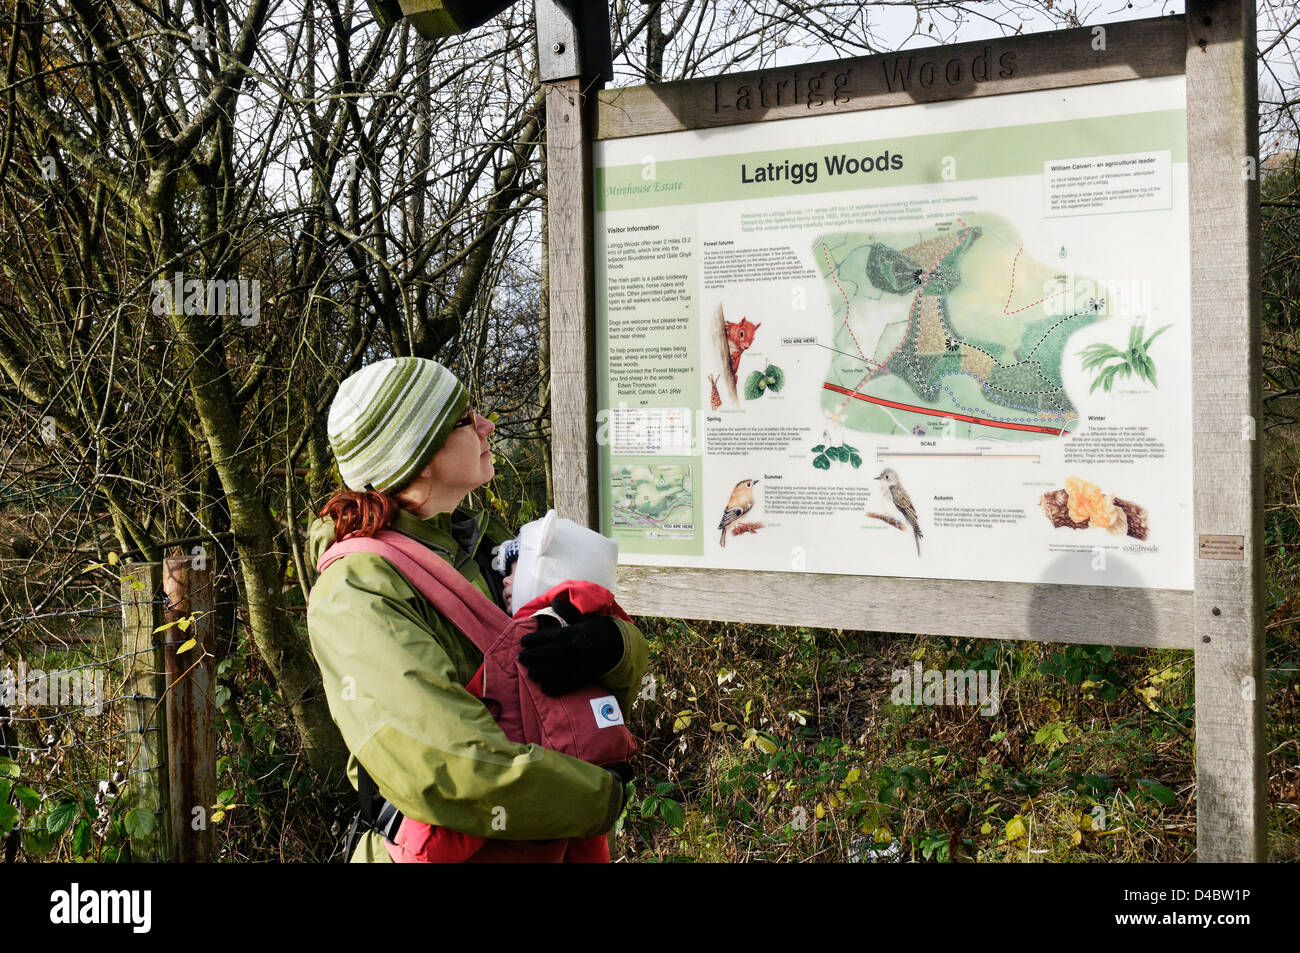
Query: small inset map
x: 657, y: 498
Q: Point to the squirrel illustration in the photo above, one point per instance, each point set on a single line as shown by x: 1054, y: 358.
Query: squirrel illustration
x: 740, y: 335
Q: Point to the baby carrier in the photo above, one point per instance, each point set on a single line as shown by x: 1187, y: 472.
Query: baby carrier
x: 585, y: 724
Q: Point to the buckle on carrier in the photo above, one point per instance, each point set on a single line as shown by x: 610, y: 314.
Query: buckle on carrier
x: 387, y: 821
x: 375, y: 814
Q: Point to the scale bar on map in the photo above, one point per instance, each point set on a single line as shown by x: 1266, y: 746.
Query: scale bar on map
x: 946, y: 453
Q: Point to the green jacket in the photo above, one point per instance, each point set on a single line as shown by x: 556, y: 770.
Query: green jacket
x: 394, y: 672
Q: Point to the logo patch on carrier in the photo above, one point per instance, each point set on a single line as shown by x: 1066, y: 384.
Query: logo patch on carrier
x: 606, y: 711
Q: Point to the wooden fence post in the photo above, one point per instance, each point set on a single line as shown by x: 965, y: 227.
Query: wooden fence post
x: 191, y: 706
x: 147, y: 789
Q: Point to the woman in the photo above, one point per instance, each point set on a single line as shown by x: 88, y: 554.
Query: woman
x: 409, y: 449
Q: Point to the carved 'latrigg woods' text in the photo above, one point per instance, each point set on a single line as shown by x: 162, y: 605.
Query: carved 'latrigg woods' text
x: 903, y: 73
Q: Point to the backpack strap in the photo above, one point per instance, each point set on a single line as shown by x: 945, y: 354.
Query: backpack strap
x: 368, y: 794
x: 373, y: 814
x: 458, y: 599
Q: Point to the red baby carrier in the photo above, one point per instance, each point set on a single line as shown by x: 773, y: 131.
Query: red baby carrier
x: 586, y: 723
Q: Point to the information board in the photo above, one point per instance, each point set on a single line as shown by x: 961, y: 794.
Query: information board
x: 947, y: 340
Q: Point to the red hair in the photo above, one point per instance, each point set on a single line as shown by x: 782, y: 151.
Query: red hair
x: 362, y: 513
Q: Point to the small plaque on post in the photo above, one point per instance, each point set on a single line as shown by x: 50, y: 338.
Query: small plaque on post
x: 1222, y: 547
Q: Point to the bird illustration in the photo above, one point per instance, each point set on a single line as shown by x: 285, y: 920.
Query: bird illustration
x: 893, y: 492
x: 740, y: 502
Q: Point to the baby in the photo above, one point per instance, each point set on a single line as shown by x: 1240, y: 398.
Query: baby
x: 549, y: 553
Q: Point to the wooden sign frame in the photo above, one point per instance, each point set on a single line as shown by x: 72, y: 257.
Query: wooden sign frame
x: 1213, y: 46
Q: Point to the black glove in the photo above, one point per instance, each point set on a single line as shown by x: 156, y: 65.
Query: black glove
x: 621, y: 770
x: 562, y: 658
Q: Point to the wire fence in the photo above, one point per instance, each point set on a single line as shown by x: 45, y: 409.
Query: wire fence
x: 70, y: 729
x: 86, y: 769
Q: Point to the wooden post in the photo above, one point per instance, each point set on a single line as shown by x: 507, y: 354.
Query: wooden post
x: 147, y: 785
x: 573, y: 324
x: 573, y: 61
x: 191, y: 728
x: 1222, y: 147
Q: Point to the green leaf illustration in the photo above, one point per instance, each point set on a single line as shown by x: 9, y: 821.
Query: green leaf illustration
x: 1146, y: 345
x: 1135, y: 361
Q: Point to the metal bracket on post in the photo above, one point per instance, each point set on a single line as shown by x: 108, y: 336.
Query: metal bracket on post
x: 573, y: 40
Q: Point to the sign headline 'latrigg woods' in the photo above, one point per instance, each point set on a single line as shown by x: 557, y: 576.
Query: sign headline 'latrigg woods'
x: 797, y: 173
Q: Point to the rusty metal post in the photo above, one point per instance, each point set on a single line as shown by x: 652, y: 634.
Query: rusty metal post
x: 191, y: 726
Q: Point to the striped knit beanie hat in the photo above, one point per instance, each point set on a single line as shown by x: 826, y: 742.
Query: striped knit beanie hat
x: 389, y: 419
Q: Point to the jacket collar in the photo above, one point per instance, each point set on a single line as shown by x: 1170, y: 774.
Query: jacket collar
x: 454, y: 536
x: 434, y: 531
x: 469, y: 529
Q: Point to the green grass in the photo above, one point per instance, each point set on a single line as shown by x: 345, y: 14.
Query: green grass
x: 783, y: 745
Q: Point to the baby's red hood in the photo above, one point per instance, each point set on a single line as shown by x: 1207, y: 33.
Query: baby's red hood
x: 585, y: 596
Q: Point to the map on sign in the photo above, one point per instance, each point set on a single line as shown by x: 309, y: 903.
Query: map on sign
x: 654, y: 497
x: 957, y: 322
